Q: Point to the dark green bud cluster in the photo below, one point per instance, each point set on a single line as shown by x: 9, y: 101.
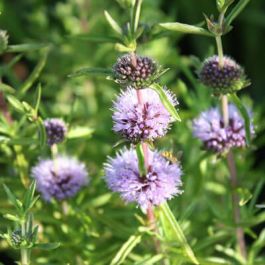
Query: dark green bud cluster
x: 3, y: 41
x: 16, y: 238
x: 134, y: 70
x: 223, y: 79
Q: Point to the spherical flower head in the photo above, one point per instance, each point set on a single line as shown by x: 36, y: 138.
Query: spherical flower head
x: 134, y: 70
x: 210, y: 129
x: 161, y: 182
x: 60, y: 178
x: 55, y: 130
x: 3, y: 41
x: 146, y: 121
x: 225, y: 79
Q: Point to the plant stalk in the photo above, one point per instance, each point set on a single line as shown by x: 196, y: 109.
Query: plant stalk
x: 231, y: 165
x: 25, y: 254
x: 150, y: 211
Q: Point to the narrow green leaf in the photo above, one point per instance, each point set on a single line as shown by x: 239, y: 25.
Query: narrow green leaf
x: 25, y: 47
x: 6, y: 88
x: 29, y: 195
x: 140, y: 156
x: 243, y: 111
x: 42, y: 132
x: 185, y: 28
x: 91, y: 71
x: 125, y: 48
x: 16, y: 103
x: 35, y: 73
x: 38, y: 98
x: 95, y: 38
x: 79, y: 132
x: 34, y: 234
x: 220, y: 4
x: 136, y: 15
x: 150, y: 260
x: 115, y: 26
x: 12, y: 198
x: 244, y: 195
x: 236, y: 11
x: 126, y: 249
x: 47, y: 246
x: 163, y: 97
x: 12, y: 217
x: 168, y: 216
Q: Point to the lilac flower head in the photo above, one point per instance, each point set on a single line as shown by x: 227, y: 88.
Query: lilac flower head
x: 209, y: 128
x: 146, y: 121
x: 161, y: 183
x: 136, y: 71
x: 225, y: 79
x: 55, y: 130
x: 60, y: 178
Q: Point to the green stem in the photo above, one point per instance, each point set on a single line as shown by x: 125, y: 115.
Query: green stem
x: 25, y: 254
x: 220, y: 50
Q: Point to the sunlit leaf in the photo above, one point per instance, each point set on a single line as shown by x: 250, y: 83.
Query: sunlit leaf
x: 185, y: 28
x: 171, y: 223
x: 112, y: 22
x: 79, y: 132
x: 164, y: 98
x: 126, y: 249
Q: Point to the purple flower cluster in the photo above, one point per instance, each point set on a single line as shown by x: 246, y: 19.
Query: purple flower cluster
x: 139, y: 122
x: 209, y: 128
x: 60, y: 178
x: 161, y: 182
x: 226, y: 79
x: 55, y: 130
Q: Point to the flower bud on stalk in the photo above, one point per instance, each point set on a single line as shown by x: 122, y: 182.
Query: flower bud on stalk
x: 136, y: 71
x: 225, y: 79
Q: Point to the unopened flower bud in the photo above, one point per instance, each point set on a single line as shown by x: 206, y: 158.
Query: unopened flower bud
x: 223, y: 79
x: 135, y: 70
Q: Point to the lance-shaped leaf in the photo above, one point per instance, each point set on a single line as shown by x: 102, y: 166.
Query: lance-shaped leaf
x: 140, y: 156
x: 16, y: 104
x: 6, y: 88
x: 245, y: 115
x: 38, y: 99
x: 96, y: 38
x: 222, y: 5
x: 79, y: 132
x: 35, y: 73
x: 115, y: 26
x: 47, y: 246
x: 26, y: 47
x: 236, y: 11
x: 42, y: 132
x: 173, y: 231
x: 185, y: 28
x: 91, y: 71
x: 165, y: 101
x: 126, y: 249
x: 12, y: 198
x: 136, y: 15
